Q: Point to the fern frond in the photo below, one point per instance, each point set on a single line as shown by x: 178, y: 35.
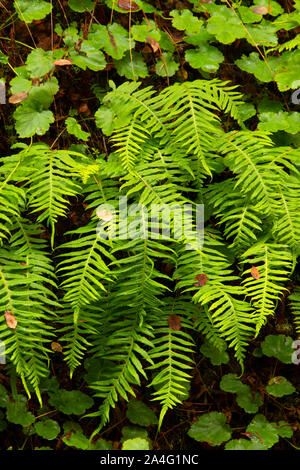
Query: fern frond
x: 171, y: 353
x: 273, y: 262
x: 294, y: 302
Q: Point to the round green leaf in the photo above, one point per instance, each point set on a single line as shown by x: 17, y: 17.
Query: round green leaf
x: 73, y: 402
x: 39, y: 63
x: 280, y: 386
x: 265, y: 431
x: 48, y: 429
x: 29, y: 10
x: 211, y: 428
x: 216, y: 356
x: 81, y: 5
x: 132, y: 67
x: 205, y: 57
x: 231, y: 383
x: 17, y: 413
x: 139, y: 413
x: 136, y: 444
x: 279, y: 346
x: 166, y: 66
x: 244, y: 444
x: 30, y: 121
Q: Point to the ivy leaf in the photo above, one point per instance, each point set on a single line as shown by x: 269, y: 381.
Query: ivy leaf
x: 280, y: 386
x: 281, y: 121
x: 39, y: 62
x: 30, y: 121
x: 136, y: 444
x: 211, y: 428
x: 215, y: 355
x: 166, y: 66
x: 89, y: 57
x: 81, y: 5
x: 71, y: 402
x: 29, y: 11
x: 132, y: 67
x: 279, y: 346
x: 48, y: 429
x: 17, y: 413
x: 113, y: 39
x: 185, y: 19
x: 205, y: 57
x: 139, y: 413
x: 74, y: 128
x: 265, y: 431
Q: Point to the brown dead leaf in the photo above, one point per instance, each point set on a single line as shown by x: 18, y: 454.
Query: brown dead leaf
x: 62, y: 62
x: 128, y: 5
x: 10, y: 319
x: 255, y: 273
x: 260, y: 10
x: 201, y: 280
x: 153, y: 43
x: 18, y: 97
x: 174, y: 322
x: 56, y: 347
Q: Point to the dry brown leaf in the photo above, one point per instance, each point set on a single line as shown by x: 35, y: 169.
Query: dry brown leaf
x: 62, y: 62
x: 153, y: 43
x: 18, y: 97
x: 174, y: 322
x: 10, y: 319
x: 255, y: 272
x: 201, y: 280
x: 260, y: 10
x: 56, y: 347
x: 128, y: 5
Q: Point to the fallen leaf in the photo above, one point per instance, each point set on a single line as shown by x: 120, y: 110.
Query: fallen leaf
x: 201, y: 280
x: 153, y: 43
x: 104, y: 215
x: 10, y: 319
x: 62, y: 62
x: 56, y: 347
x: 18, y: 97
x: 260, y: 10
x: 255, y: 272
x: 174, y: 322
x: 128, y: 5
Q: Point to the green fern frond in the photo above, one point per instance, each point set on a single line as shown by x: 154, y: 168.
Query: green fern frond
x: 294, y: 302
x: 274, y: 263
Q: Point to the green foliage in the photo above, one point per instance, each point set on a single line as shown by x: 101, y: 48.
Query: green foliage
x: 211, y: 428
x: 139, y: 413
x: 280, y: 386
x: 279, y: 346
x: 132, y: 309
